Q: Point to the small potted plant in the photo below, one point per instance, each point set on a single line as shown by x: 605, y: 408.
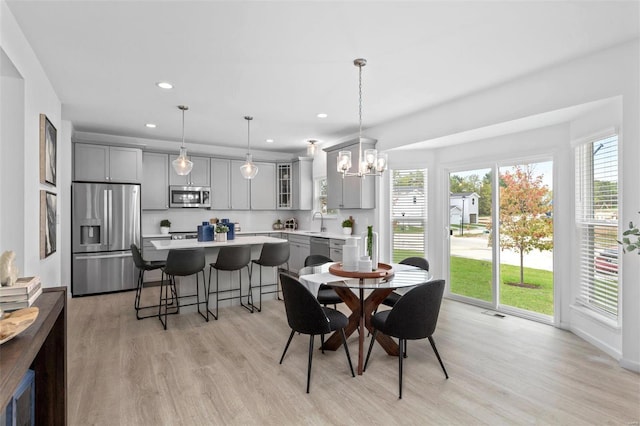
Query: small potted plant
x: 221, y: 232
x: 165, y: 224
x: 347, y: 226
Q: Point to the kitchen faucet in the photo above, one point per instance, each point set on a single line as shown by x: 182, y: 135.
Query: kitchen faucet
x: 322, y: 228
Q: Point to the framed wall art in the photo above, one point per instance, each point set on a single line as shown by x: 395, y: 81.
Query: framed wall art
x: 48, y: 213
x: 48, y: 148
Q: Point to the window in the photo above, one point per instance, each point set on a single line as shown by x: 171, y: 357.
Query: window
x: 408, y: 213
x: 597, y: 224
x: 320, y: 201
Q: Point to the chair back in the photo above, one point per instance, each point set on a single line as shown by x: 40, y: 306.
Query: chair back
x: 418, y: 262
x: 274, y: 254
x: 304, y: 313
x: 184, y: 262
x: 415, y: 314
x: 232, y: 258
x: 137, y: 257
x: 316, y: 259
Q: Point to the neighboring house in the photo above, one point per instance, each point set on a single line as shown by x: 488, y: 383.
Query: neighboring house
x: 455, y: 215
x: 467, y: 202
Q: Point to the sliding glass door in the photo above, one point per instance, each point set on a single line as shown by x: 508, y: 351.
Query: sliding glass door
x: 470, y: 253
x: 501, y: 238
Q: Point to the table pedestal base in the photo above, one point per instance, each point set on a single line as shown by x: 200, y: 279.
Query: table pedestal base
x: 361, y: 311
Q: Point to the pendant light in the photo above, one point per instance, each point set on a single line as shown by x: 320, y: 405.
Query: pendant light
x: 311, y: 147
x: 371, y: 163
x: 182, y: 165
x: 248, y: 170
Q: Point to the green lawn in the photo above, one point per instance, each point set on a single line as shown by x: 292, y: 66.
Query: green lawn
x: 472, y: 278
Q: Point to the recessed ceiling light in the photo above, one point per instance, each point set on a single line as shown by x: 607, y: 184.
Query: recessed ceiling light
x: 269, y: 140
x: 150, y: 125
x: 164, y: 85
x: 322, y: 115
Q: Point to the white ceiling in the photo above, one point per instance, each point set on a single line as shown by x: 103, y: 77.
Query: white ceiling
x: 283, y: 62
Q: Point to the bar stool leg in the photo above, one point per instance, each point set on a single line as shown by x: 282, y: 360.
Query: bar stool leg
x: 248, y: 306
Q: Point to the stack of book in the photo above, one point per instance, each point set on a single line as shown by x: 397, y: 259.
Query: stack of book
x: 21, y: 295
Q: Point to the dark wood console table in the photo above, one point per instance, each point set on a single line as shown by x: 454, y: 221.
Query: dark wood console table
x: 42, y: 348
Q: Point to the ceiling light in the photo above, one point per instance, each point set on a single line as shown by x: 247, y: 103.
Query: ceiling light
x: 248, y: 170
x: 322, y: 115
x: 311, y: 147
x: 164, y: 85
x: 150, y: 125
x: 182, y: 165
x: 371, y: 163
x: 269, y: 141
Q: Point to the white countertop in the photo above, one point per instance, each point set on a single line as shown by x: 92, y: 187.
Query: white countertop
x: 193, y: 243
x: 332, y: 235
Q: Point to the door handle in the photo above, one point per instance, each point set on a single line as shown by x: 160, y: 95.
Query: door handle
x: 106, y: 256
x: 109, y: 231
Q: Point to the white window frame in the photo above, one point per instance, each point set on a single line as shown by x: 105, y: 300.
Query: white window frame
x: 598, y: 266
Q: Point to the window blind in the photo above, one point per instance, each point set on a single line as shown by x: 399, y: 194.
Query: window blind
x: 408, y: 213
x: 597, y: 224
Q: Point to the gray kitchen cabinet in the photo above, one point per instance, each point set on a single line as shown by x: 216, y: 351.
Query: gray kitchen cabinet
x: 350, y: 192
x: 239, y: 187
x: 284, y: 180
x: 104, y: 163
x: 155, y: 181
x: 300, y: 248
x: 149, y: 253
x: 263, y: 187
x: 199, y: 175
x: 295, y: 184
x: 302, y: 175
x: 221, y: 184
x: 335, y: 249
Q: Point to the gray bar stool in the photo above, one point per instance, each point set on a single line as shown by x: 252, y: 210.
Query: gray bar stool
x: 272, y: 255
x: 230, y: 258
x: 143, y: 266
x: 181, y: 263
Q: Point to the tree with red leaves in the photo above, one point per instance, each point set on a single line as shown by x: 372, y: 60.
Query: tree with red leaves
x: 525, y: 213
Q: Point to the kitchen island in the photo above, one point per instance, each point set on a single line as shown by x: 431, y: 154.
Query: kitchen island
x: 228, y: 280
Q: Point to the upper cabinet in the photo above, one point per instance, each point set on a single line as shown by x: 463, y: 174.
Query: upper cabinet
x: 199, y: 175
x: 350, y: 192
x: 263, y: 187
x: 302, y: 175
x: 284, y: 179
x: 239, y: 187
x: 221, y: 188
x: 155, y: 181
x: 295, y: 184
x: 104, y: 163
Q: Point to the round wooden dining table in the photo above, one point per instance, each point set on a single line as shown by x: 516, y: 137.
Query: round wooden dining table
x: 362, y: 296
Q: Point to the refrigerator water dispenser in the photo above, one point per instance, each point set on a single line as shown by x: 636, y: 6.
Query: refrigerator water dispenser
x: 89, y: 234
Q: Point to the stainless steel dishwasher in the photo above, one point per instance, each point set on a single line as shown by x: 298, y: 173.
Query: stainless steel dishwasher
x: 320, y: 246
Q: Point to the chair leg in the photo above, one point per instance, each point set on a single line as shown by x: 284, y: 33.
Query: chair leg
x: 433, y: 345
x: 322, y: 343
x: 248, y: 306
x: 204, y: 315
x: 373, y: 340
x: 346, y: 349
x: 208, y: 293
x: 310, y: 361
x: 401, y: 343
x: 287, y: 346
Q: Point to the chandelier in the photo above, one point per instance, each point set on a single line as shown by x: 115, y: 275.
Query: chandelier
x: 370, y: 163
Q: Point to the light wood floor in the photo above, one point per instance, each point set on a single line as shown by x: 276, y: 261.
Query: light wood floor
x: 502, y: 371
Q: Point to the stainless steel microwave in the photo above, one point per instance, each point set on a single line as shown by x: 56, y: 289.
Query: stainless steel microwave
x: 190, y: 196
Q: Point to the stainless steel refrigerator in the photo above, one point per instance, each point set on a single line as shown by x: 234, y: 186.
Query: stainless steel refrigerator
x: 105, y: 222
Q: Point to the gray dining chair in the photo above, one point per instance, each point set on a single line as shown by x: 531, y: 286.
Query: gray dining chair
x: 306, y: 316
x: 326, y: 294
x: 413, y: 317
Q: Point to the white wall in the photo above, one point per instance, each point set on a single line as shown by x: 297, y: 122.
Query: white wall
x: 611, y: 73
x: 38, y: 98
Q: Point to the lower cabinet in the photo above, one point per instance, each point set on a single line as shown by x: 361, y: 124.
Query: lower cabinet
x: 149, y: 253
x: 335, y: 248
x: 300, y: 249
